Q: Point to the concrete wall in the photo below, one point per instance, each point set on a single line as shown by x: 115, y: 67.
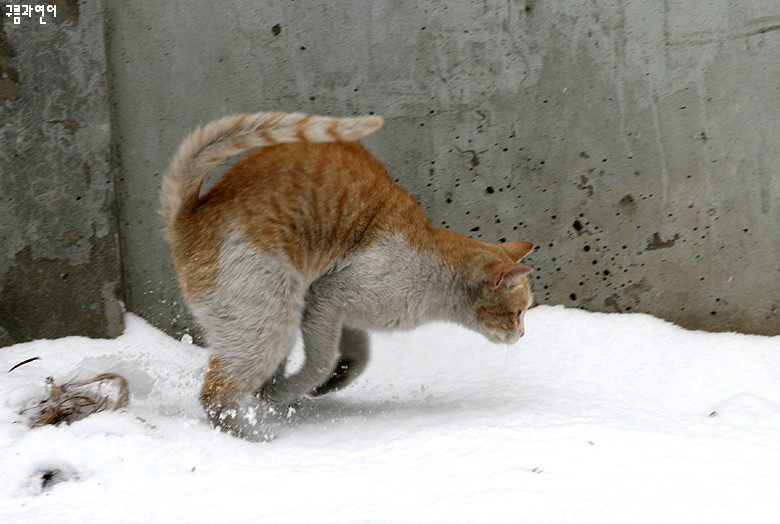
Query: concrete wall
x: 59, y: 260
x: 637, y: 142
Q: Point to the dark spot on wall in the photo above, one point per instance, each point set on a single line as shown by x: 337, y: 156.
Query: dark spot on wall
x: 613, y: 303
x: 584, y: 185
x: 577, y: 225
x: 627, y: 204
x: 489, y: 190
x: 656, y: 243
x: 276, y: 29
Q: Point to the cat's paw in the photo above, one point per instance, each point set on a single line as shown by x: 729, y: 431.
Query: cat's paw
x: 255, y: 423
x: 277, y: 394
x: 346, y: 371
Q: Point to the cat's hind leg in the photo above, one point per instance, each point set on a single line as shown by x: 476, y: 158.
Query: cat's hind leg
x: 235, y: 372
x: 352, y: 360
x: 251, y: 319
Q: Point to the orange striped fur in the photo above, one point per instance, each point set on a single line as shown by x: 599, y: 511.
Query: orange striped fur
x: 309, y: 232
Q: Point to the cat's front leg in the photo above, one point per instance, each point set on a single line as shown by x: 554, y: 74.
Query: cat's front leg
x: 321, y: 330
x: 353, y: 358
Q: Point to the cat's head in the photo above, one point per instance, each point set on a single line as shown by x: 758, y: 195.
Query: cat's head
x: 502, y: 295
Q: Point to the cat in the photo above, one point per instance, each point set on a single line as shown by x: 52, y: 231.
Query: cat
x: 308, y: 234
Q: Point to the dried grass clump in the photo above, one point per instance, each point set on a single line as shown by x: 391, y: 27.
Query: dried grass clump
x: 74, y: 401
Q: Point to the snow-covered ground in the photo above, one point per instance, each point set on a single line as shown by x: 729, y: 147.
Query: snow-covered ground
x: 590, y: 418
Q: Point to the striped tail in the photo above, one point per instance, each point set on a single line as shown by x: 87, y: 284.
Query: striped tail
x: 212, y: 143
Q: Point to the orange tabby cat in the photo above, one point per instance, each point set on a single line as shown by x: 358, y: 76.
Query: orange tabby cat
x: 308, y: 234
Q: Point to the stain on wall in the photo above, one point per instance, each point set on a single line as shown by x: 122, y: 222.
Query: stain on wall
x: 9, y: 78
x: 622, y: 138
x: 59, y: 262
x: 69, y: 9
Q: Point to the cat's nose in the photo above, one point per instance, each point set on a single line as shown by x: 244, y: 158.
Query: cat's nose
x: 521, y: 324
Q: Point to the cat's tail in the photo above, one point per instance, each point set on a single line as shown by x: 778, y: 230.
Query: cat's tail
x: 214, y: 142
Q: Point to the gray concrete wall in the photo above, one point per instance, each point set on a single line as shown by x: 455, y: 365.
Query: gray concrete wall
x: 636, y: 142
x: 59, y: 259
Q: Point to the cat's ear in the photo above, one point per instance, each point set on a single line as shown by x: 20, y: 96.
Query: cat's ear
x: 517, y: 250
x: 507, y: 275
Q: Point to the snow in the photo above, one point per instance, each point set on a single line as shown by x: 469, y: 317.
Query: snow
x: 591, y: 417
